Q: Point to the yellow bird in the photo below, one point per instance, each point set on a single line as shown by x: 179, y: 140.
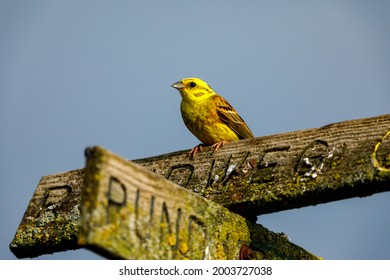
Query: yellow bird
x: 209, y: 116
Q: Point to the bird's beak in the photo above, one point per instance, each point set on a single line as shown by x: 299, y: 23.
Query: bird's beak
x: 179, y: 85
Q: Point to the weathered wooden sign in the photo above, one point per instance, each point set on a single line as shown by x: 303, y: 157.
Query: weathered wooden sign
x: 249, y: 177
x: 128, y: 212
x: 287, y: 170
x: 51, y: 221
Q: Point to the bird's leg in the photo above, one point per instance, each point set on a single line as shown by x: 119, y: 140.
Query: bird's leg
x: 218, y: 145
x: 195, y: 150
x: 199, y: 148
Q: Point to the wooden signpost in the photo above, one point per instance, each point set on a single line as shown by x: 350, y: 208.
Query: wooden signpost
x: 129, y: 213
x: 137, y: 210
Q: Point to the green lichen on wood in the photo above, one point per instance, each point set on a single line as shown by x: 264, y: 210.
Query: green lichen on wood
x: 272, y: 246
x: 51, y: 220
x: 48, y: 233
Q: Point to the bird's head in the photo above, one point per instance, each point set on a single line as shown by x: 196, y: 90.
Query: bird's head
x: 193, y: 89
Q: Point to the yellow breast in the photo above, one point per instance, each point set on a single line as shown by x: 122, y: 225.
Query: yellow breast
x: 202, y: 120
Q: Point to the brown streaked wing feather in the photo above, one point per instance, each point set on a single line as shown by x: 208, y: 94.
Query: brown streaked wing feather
x: 230, y: 117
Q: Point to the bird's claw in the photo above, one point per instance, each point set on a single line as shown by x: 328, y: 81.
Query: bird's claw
x: 218, y: 145
x: 199, y: 148
x: 195, y: 150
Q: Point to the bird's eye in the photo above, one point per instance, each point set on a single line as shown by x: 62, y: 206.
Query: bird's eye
x: 192, y: 84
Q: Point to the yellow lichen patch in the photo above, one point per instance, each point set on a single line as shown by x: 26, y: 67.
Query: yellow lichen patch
x: 172, y: 240
x: 163, y: 225
x: 220, y: 252
x: 234, y: 236
x: 183, y: 248
x: 375, y: 162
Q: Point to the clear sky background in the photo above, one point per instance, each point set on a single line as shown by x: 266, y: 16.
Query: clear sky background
x: 80, y: 73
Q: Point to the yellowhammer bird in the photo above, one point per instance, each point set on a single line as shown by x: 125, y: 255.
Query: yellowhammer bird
x: 209, y: 116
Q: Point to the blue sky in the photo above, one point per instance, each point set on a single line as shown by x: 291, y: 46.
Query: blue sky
x: 80, y: 73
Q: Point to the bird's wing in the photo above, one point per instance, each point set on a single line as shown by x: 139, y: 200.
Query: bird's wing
x: 230, y: 117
